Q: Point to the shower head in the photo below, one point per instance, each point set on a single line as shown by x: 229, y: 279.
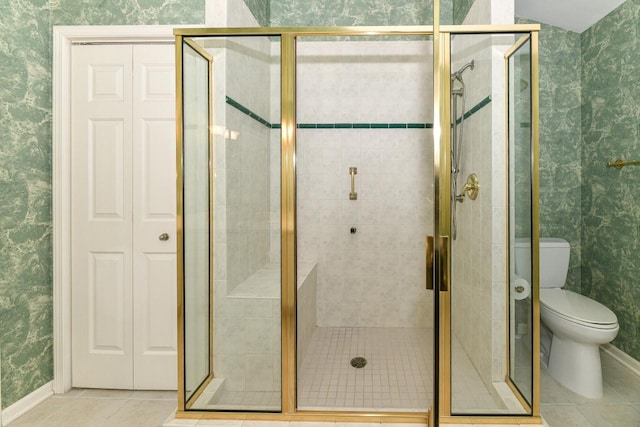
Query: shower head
x: 458, y: 74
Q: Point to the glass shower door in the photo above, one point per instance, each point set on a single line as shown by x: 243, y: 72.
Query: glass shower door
x: 231, y: 238
x: 488, y: 357
x: 364, y: 204
x: 194, y: 225
x: 522, y: 227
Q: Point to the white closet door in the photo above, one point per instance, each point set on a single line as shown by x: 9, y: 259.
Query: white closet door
x: 154, y: 222
x: 123, y: 201
x: 101, y: 174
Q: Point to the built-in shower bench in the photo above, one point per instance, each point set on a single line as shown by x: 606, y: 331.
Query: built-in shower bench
x: 265, y: 283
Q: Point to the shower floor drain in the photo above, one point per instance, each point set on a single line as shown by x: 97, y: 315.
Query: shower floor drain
x: 358, y: 362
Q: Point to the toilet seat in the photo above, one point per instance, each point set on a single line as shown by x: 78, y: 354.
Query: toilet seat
x: 578, y: 309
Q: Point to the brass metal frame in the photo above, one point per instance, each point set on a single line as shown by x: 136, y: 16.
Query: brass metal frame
x: 535, y: 214
x: 366, y: 31
x: 288, y: 214
x: 517, y: 393
x: 517, y: 45
x: 534, y: 406
x: 441, y: 411
x: 533, y: 415
x: 182, y: 401
x: 179, y: 219
x: 440, y: 52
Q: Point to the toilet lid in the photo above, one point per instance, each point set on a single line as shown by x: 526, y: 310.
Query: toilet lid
x: 577, y: 307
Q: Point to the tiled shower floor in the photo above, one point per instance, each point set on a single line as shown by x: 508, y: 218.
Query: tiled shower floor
x: 397, y: 377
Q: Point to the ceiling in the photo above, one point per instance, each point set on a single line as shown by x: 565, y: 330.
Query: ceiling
x: 574, y: 15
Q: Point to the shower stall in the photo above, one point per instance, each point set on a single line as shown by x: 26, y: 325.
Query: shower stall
x: 320, y: 175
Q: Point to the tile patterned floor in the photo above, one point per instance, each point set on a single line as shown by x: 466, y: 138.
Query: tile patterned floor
x: 619, y: 407
x: 101, y: 408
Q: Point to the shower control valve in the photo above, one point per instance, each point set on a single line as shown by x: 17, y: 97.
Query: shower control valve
x: 472, y: 187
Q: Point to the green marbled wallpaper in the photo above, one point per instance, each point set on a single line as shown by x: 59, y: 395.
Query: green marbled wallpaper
x: 560, y: 141
x: 520, y: 125
x: 260, y: 10
x: 610, y: 199
x: 460, y: 10
x: 286, y: 13
x: 26, y: 54
x: 446, y: 12
x: 124, y: 12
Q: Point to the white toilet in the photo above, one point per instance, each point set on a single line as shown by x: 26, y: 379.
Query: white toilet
x: 578, y: 323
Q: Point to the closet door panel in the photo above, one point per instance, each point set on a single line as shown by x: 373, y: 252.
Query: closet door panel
x: 101, y: 140
x: 154, y: 222
x: 124, y: 332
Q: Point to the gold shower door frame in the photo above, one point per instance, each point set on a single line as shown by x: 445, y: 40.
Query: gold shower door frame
x: 442, y: 225
x: 441, y: 411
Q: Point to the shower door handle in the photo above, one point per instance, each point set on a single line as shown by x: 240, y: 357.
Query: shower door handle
x: 444, y: 263
x: 429, y: 261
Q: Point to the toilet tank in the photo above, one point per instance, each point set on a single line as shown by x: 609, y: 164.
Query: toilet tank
x: 554, y: 261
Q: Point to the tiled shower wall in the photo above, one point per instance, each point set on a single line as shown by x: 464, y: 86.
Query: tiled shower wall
x: 375, y: 276
x: 25, y: 170
x: 247, y: 159
x: 247, y: 325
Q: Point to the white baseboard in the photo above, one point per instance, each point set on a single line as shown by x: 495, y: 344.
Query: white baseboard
x: 28, y: 402
x: 622, y: 357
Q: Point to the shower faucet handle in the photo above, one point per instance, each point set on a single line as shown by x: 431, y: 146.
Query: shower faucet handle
x: 471, y: 188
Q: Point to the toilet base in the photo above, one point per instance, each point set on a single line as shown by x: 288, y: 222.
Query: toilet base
x: 576, y: 366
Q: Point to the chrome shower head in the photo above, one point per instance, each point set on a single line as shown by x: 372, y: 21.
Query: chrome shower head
x: 458, y: 74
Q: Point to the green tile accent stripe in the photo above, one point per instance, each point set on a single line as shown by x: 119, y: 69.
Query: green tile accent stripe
x: 248, y: 112
x: 365, y: 125
x: 259, y: 119
x: 235, y: 104
x: 476, y: 108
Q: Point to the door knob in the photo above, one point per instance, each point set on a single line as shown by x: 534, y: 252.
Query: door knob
x: 164, y: 237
